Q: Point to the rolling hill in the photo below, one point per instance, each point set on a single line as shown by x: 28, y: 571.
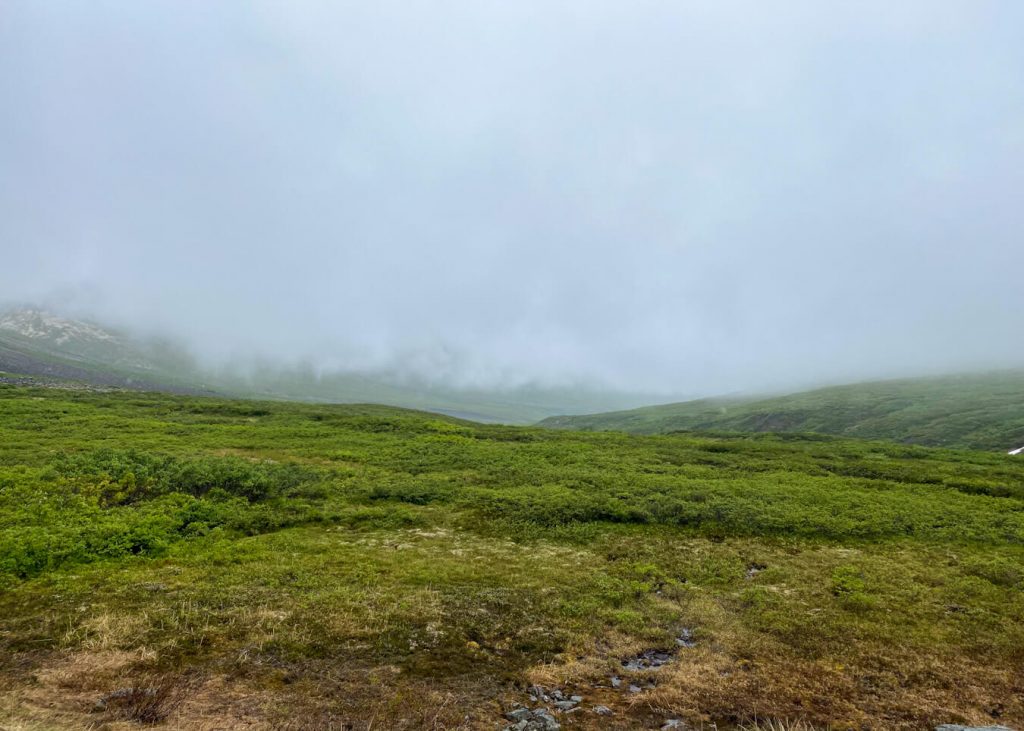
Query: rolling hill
x: 977, y: 411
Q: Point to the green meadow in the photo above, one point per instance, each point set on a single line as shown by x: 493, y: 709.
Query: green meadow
x: 204, y: 563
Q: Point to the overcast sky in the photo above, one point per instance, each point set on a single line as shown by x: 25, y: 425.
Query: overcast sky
x: 694, y: 197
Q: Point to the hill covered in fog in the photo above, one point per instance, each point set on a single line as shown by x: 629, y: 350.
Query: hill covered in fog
x: 981, y: 411
x: 36, y: 342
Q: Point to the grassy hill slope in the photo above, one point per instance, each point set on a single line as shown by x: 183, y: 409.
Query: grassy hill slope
x: 209, y: 563
x: 981, y: 411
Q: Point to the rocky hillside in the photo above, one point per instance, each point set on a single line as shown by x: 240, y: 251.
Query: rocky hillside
x: 35, y: 342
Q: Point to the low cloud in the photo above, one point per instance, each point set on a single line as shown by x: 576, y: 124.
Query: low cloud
x: 686, y: 198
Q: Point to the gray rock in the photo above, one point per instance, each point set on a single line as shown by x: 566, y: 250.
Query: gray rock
x: 647, y: 660
x: 957, y: 727
x: 616, y: 681
x: 537, y: 693
x: 519, y: 714
x: 685, y: 638
x: 673, y: 723
x: 565, y: 705
x: 634, y: 688
x: 539, y: 719
x: 576, y: 698
x: 548, y: 721
x: 602, y: 710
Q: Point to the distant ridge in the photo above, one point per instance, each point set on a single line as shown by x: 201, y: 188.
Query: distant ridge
x: 36, y: 342
x: 977, y: 411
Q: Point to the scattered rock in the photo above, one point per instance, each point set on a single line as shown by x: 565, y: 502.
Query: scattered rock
x: 539, y: 719
x: 654, y: 659
x: 754, y: 569
x: 548, y: 721
x: 519, y: 714
x: 673, y: 723
x: 538, y: 693
x: 616, y: 681
x: 555, y: 696
x: 685, y: 638
x: 647, y: 660
x: 602, y: 710
x: 635, y: 689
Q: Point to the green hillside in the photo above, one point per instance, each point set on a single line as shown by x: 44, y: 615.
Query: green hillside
x: 979, y: 411
x: 200, y: 563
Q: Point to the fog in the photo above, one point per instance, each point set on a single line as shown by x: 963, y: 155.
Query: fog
x: 678, y: 197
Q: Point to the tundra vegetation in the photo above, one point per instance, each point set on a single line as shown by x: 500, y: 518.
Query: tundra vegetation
x: 974, y: 411
x: 204, y: 563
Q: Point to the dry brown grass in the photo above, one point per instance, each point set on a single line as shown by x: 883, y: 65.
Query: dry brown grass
x: 108, y: 631
x: 248, y: 674
x: 150, y: 702
x: 106, y: 689
x: 707, y: 686
x: 734, y: 678
x: 780, y: 725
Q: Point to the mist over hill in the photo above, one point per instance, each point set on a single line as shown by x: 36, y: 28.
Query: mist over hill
x: 534, y: 365
x: 978, y: 411
x: 681, y: 200
x: 981, y: 410
x: 35, y: 341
